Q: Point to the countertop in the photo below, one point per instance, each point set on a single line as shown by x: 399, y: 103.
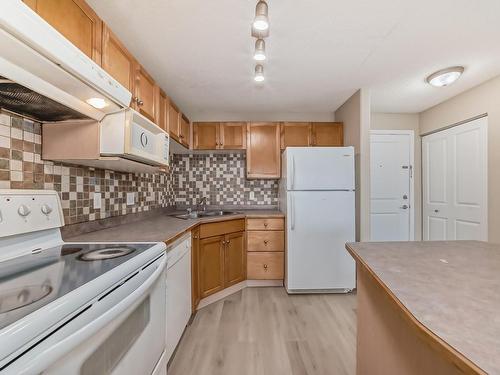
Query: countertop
x: 451, y: 287
x: 160, y: 228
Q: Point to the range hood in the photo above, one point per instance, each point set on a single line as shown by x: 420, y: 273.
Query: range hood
x: 47, y: 78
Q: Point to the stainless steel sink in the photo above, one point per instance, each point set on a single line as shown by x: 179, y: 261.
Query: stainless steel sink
x: 208, y: 213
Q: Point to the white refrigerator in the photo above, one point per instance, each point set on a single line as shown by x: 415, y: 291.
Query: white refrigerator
x: 317, y: 195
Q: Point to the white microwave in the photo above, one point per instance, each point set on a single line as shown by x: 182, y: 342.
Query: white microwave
x: 131, y: 135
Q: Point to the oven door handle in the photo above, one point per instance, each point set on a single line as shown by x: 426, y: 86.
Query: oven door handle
x: 42, y: 360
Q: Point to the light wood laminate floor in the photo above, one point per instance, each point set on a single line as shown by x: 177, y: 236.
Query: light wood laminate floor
x: 265, y: 331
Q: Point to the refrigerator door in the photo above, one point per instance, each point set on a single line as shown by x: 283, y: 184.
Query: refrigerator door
x: 319, y: 168
x: 318, y: 226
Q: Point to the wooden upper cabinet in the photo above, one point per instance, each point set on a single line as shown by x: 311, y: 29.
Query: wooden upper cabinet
x: 219, y: 135
x: 163, y: 111
x: 75, y: 20
x: 328, y: 134
x: 185, y: 131
x: 235, y: 259
x: 146, y: 94
x: 295, y: 134
x: 233, y: 135
x: 117, y: 60
x: 263, y: 150
x: 174, y: 121
x: 205, y: 135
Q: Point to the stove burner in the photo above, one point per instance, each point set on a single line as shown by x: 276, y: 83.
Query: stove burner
x: 16, y: 298
x: 107, y: 253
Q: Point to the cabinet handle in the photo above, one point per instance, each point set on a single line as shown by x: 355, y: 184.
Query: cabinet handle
x: 265, y: 225
x: 265, y: 242
x: 265, y: 267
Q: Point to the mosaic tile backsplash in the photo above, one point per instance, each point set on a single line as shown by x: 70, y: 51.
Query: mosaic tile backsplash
x: 220, y: 178
x: 21, y: 167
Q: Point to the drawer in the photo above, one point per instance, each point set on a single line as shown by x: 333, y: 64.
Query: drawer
x: 265, y: 266
x: 262, y: 240
x: 222, y: 227
x: 274, y: 223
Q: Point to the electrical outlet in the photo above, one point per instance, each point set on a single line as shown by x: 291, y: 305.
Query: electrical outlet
x: 97, y: 201
x: 130, y: 199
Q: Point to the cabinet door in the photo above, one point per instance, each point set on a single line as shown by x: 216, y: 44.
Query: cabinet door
x: 147, y: 94
x: 163, y: 111
x: 76, y: 21
x: 295, y: 134
x: 263, y: 150
x: 195, y: 254
x: 185, y: 131
x: 211, y: 265
x: 205, y: 135
x: 233, y: 135
x: 116, y: 60
x: 235, y: 259
x: 174, y: 126
x: 328, y: 134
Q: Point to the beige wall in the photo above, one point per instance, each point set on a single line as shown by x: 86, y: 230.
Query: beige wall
x: 403, y: 121
x: 355, y: 114
x: 482, y: 99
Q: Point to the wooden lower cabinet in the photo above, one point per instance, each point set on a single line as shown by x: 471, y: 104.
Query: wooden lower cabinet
x: 222, y: 256
x: 265, y: 248
x: 266, y: 265
x: 235, y: 260
x: 211, y: 265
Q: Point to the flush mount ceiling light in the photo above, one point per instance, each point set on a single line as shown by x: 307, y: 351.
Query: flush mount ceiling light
x: 261, y: 22
x: 260, y: 50
x: 445, y: 77
x: 259, y: 73
x: 98, y: 103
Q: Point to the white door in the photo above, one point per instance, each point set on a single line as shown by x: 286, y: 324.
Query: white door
x: 455, y: 181
x: 319, y: 168
x: 391, y: 207
x: 319, y: 224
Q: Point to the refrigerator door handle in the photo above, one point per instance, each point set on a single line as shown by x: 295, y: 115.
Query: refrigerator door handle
x: 292, y: 212
x: 292, y: 173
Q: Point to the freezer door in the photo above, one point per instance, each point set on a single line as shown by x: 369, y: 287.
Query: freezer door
x: 318, y: 226
x: 320, y: 168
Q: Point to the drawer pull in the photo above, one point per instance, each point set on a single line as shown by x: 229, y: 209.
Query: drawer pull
x: 265, y: 224
x: 265, y: 267
x: 266, y: 242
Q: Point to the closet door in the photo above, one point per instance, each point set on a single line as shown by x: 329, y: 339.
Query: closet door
x: 455, y: 182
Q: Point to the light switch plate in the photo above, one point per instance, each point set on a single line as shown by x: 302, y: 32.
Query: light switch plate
x: 97, y: 200
x: 130, y: 199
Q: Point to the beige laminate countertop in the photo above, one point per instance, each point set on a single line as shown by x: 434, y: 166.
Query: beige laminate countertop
x: 161, y: 227
x: 451, y: 287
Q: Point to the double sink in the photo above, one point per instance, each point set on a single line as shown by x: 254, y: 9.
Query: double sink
x: 204, y: 213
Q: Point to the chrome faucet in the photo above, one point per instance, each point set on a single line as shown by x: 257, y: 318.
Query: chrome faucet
x: 201, y: 205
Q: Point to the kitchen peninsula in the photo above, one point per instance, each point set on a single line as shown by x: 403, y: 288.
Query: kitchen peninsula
x: 428, y: 307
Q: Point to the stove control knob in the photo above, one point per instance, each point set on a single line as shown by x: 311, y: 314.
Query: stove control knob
x: 23, y: 210
x: 46, y: 209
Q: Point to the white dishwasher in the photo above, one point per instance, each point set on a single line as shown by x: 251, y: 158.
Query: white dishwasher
x: 178, y: 290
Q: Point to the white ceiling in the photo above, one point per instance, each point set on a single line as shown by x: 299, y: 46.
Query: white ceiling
x: 320, y: 52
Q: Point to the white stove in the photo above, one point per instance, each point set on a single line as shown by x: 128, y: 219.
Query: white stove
x: 76, y: 308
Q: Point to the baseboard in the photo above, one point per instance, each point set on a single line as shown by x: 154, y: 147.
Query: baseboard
x: 236, y: 288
